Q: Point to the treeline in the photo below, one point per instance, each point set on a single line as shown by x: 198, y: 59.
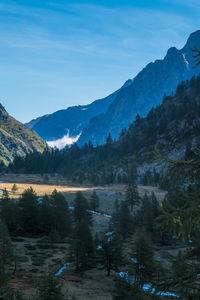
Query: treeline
x: 33, y: 215
x: 175, y: 121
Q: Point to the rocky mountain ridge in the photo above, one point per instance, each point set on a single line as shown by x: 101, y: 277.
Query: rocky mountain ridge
x: 16, y: 139
x: 118, y: 110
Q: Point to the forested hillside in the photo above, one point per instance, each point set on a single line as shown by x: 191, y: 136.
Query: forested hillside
x: 172, y: 125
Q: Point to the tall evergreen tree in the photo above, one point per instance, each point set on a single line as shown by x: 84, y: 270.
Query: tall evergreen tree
x: 28, y: 210
x: 94, y: 201
x: 111, y: 253
x: 124, y: 222
x: 80, y: 211
x: 132, y: 195
x: 62, y: 217
x: 142, y: 254
x: 6, y: 250
x: 82, y: 246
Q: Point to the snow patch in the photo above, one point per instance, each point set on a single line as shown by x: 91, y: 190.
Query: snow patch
x: 64, y: 141
x: 185, y: 60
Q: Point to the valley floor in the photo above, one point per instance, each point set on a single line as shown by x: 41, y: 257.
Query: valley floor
x: 36, y: 256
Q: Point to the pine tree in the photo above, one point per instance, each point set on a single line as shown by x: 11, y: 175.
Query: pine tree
x: 132, y: 196
x: 6, y: 250
x: 183, y: 278
x: 94, y: 201
x: 111, y: 253
x: 142, y: 258
x: 14, y: 188
x: 62, y: 217
x: 10, y: 215
x: 29, y: 213
x: 46, y: 215
x: 124, y: 222
x: 82, y: 246
x: 50, y: 288
x: 80, y: 211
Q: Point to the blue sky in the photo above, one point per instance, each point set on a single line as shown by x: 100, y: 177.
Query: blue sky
x: 56, y: 53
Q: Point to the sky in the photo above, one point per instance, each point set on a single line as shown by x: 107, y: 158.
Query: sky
x: 56, y: 53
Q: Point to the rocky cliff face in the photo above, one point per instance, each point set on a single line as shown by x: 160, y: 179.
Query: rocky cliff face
x: 145, y: 91
x: 16, y: 139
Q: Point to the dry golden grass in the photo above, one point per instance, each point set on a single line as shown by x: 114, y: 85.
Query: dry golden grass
x: 40, y: 189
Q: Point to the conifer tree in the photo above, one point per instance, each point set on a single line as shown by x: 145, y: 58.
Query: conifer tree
x: 62, y: 217
x: 142, y: 254
x: 29, y: 214
x: 46, y: 215
x: 10, y: 215
x: 80, y: 211
x: 124, y: 222
x: 94, y: 201
x: 50, y: 288
x: 132, y: 196
x: 111, y: 253
x: 14, y: 188
x: 82, y: 246
x: 6, y: 250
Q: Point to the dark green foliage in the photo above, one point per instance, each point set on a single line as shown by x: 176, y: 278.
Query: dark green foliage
x: 132, y: 196
x: 80, y: 211
x: 183, y: 278
x: 28, y: 210
x: 111, y: 253
x: 62, y: 217
x: 126, y: 291
x: 121, y: 219
x: 6, y: 259
x: 175, y: 121
x: 179, y: 213
x: 50, y: 288
x: 14, y: 188
x: 35, y: 217
x: 141, y: 252
x: 6, y: 250
x: 10, y: 215
x: 146, y: 216
x: 94, y: 201
x: 124, y: 222
x: 82, y: 246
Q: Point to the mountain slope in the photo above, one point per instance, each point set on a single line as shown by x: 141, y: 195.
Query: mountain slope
x: 146, y: 91
x: 119, y: 109
x: 173, y: 127
x: 73, y: 119
x: 16, y: 139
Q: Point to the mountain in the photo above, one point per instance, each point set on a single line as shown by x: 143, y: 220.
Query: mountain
x: 73, y: 119
x: 118, y: 110
x: 16, y: 139
x: 146, y: 91
x: 173, y: 127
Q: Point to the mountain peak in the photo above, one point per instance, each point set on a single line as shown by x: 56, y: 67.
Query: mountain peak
x: 172, y: 51
x: 193, y: 40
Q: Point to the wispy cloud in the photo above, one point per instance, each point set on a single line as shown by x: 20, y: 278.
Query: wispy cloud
x: 72, y: 52
x: 64, y: 141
